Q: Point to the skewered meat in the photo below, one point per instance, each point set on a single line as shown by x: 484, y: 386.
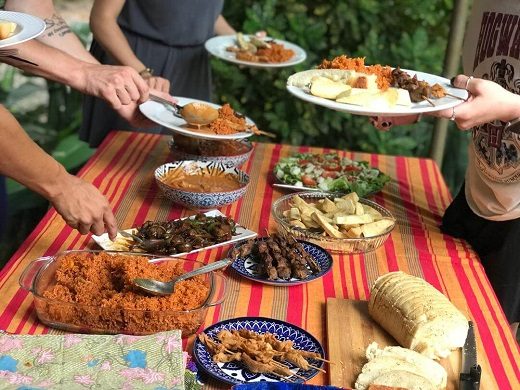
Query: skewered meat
x: 279, y: 257
x: 259, y: 353
x: 418, y: 90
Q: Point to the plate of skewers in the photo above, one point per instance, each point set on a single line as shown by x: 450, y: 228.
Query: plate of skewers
x: 348, y: 85
x: 280, y: 260
x: 253, y: 349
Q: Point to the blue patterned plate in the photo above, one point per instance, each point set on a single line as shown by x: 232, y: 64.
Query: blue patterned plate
x: 234, y: 372
x: 248, y: 266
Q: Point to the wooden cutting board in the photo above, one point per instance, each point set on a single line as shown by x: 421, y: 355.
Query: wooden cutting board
x: 350, y: 330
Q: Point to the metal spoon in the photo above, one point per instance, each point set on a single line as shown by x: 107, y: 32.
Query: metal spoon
x: 156, y: 287
x: 195, y: 114
x: 130, y: 235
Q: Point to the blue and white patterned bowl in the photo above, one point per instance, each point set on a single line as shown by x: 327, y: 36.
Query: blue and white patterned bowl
x: 189, y: 152
x: 235, y: 373
x: 201, y: 200
x: 248, y: 266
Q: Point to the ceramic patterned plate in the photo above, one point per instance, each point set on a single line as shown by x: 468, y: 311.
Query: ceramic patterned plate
x: 234, y: 372
x: 248, y: 266
x: 121, y: 243
x: 27, y: 27
x: 160, y: 114
x: 217, y: 46
x: 415, y: 108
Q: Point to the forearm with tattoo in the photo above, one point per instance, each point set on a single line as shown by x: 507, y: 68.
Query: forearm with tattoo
x: 56, y: 26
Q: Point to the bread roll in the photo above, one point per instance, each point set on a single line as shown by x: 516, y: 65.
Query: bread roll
x: 396, y: 366
x: 6, y: 29
x: 417, y: 315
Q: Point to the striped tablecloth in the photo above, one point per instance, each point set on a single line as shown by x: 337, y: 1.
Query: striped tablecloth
x: 122, y: 169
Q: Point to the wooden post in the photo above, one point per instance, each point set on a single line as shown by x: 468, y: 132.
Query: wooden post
x: 450, y: 69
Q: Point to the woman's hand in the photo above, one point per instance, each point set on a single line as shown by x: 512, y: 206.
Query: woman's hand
x: 158, y: 83
x: 487, y: 102
x: 384, y: 123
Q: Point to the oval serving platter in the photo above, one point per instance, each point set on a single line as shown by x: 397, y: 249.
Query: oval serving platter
x: 234, y: 373
x: 248, y: 266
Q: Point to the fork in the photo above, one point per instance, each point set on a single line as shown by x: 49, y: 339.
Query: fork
x: 8, y: 52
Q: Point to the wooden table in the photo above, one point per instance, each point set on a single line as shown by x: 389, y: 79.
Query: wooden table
x: 122, y: 169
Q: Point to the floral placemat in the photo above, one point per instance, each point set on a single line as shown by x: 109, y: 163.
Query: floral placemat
x: 78, y: 361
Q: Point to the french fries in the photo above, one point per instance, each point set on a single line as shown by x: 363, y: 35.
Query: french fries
x: 343, y: 217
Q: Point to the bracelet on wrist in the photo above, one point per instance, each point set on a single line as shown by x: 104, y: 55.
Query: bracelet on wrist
x: 146, y: 73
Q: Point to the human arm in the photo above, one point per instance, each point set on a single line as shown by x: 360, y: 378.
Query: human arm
x: 222, y: 27
x: 80, y: 204
x: 63, y: 58
x: 487, y: 102
x: 106, y: 31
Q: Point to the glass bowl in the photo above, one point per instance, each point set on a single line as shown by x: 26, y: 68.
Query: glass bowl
x: 339, y: 245
x: 40, y: 275
x: 230, y: 153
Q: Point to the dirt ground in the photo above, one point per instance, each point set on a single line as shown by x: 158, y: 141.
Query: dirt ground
x: 74, y: 10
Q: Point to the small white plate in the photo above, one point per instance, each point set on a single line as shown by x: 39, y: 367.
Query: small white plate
x: 121, y: 243
x: 28, y: 27
x: 160, y: 114
x: 217, y: 46
x: 415, y: 108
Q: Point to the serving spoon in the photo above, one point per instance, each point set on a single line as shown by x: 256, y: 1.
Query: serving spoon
x: 195, y: 114
x: 156, y: 287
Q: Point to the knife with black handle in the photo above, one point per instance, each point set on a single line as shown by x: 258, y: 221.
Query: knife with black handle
x: 470, y: 372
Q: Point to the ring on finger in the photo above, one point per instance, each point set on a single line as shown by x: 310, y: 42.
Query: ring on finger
x: 452, y: 117
x: 467, y: 82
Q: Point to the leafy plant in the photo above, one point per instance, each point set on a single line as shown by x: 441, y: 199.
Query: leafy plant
x: 407, y: 33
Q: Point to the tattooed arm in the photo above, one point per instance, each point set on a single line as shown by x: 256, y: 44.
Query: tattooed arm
x: 61, y: 57
x: 57, y: 33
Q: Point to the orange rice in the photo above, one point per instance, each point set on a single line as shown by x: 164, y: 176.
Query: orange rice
x: 95, y: 291
x: 383, y: 72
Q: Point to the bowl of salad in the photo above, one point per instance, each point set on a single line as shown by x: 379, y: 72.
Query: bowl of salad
x: 329, y: 172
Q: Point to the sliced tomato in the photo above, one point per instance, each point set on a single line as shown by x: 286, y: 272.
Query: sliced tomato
x: 331, y: 174
x: 332, y: 167
x: 308, y: 181
x: 351, y: 168
x: 303, y: 162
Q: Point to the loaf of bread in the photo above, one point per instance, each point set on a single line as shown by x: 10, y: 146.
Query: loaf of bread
x: 400, y: 367
x: 417, y: 315
x: 6, y: 29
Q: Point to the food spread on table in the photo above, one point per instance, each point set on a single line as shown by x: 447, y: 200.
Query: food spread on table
x: 7, y: 29
x: 349, y: 80
x: 330, y: 172
x: 253, y: 49
x: 278, y: 257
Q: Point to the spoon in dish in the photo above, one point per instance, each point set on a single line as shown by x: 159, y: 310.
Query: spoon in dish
x: 195, y: 114
x: 156, y: 287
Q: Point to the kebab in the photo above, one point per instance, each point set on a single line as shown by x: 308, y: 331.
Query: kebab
x: 279, y: 257
x: 260, y: 353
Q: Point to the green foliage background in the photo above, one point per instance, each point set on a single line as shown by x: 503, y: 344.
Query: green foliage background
x: 409, y: 33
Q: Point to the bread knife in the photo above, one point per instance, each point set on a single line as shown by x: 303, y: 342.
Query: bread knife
x: 470, y: 372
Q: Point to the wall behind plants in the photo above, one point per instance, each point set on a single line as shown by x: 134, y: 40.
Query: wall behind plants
x: 408, y: 33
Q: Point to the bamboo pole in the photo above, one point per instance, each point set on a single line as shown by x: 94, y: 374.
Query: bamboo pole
x: 450, y: 68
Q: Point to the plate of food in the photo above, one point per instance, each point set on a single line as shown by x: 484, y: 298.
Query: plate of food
x: 227, y: 123
x: 17, y: 27
x: 280, y: 260
x: 241, y: 350
x: 348, y: 85
x: 328, y: 172
x: 179, y: 237
x: 252, y: 51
